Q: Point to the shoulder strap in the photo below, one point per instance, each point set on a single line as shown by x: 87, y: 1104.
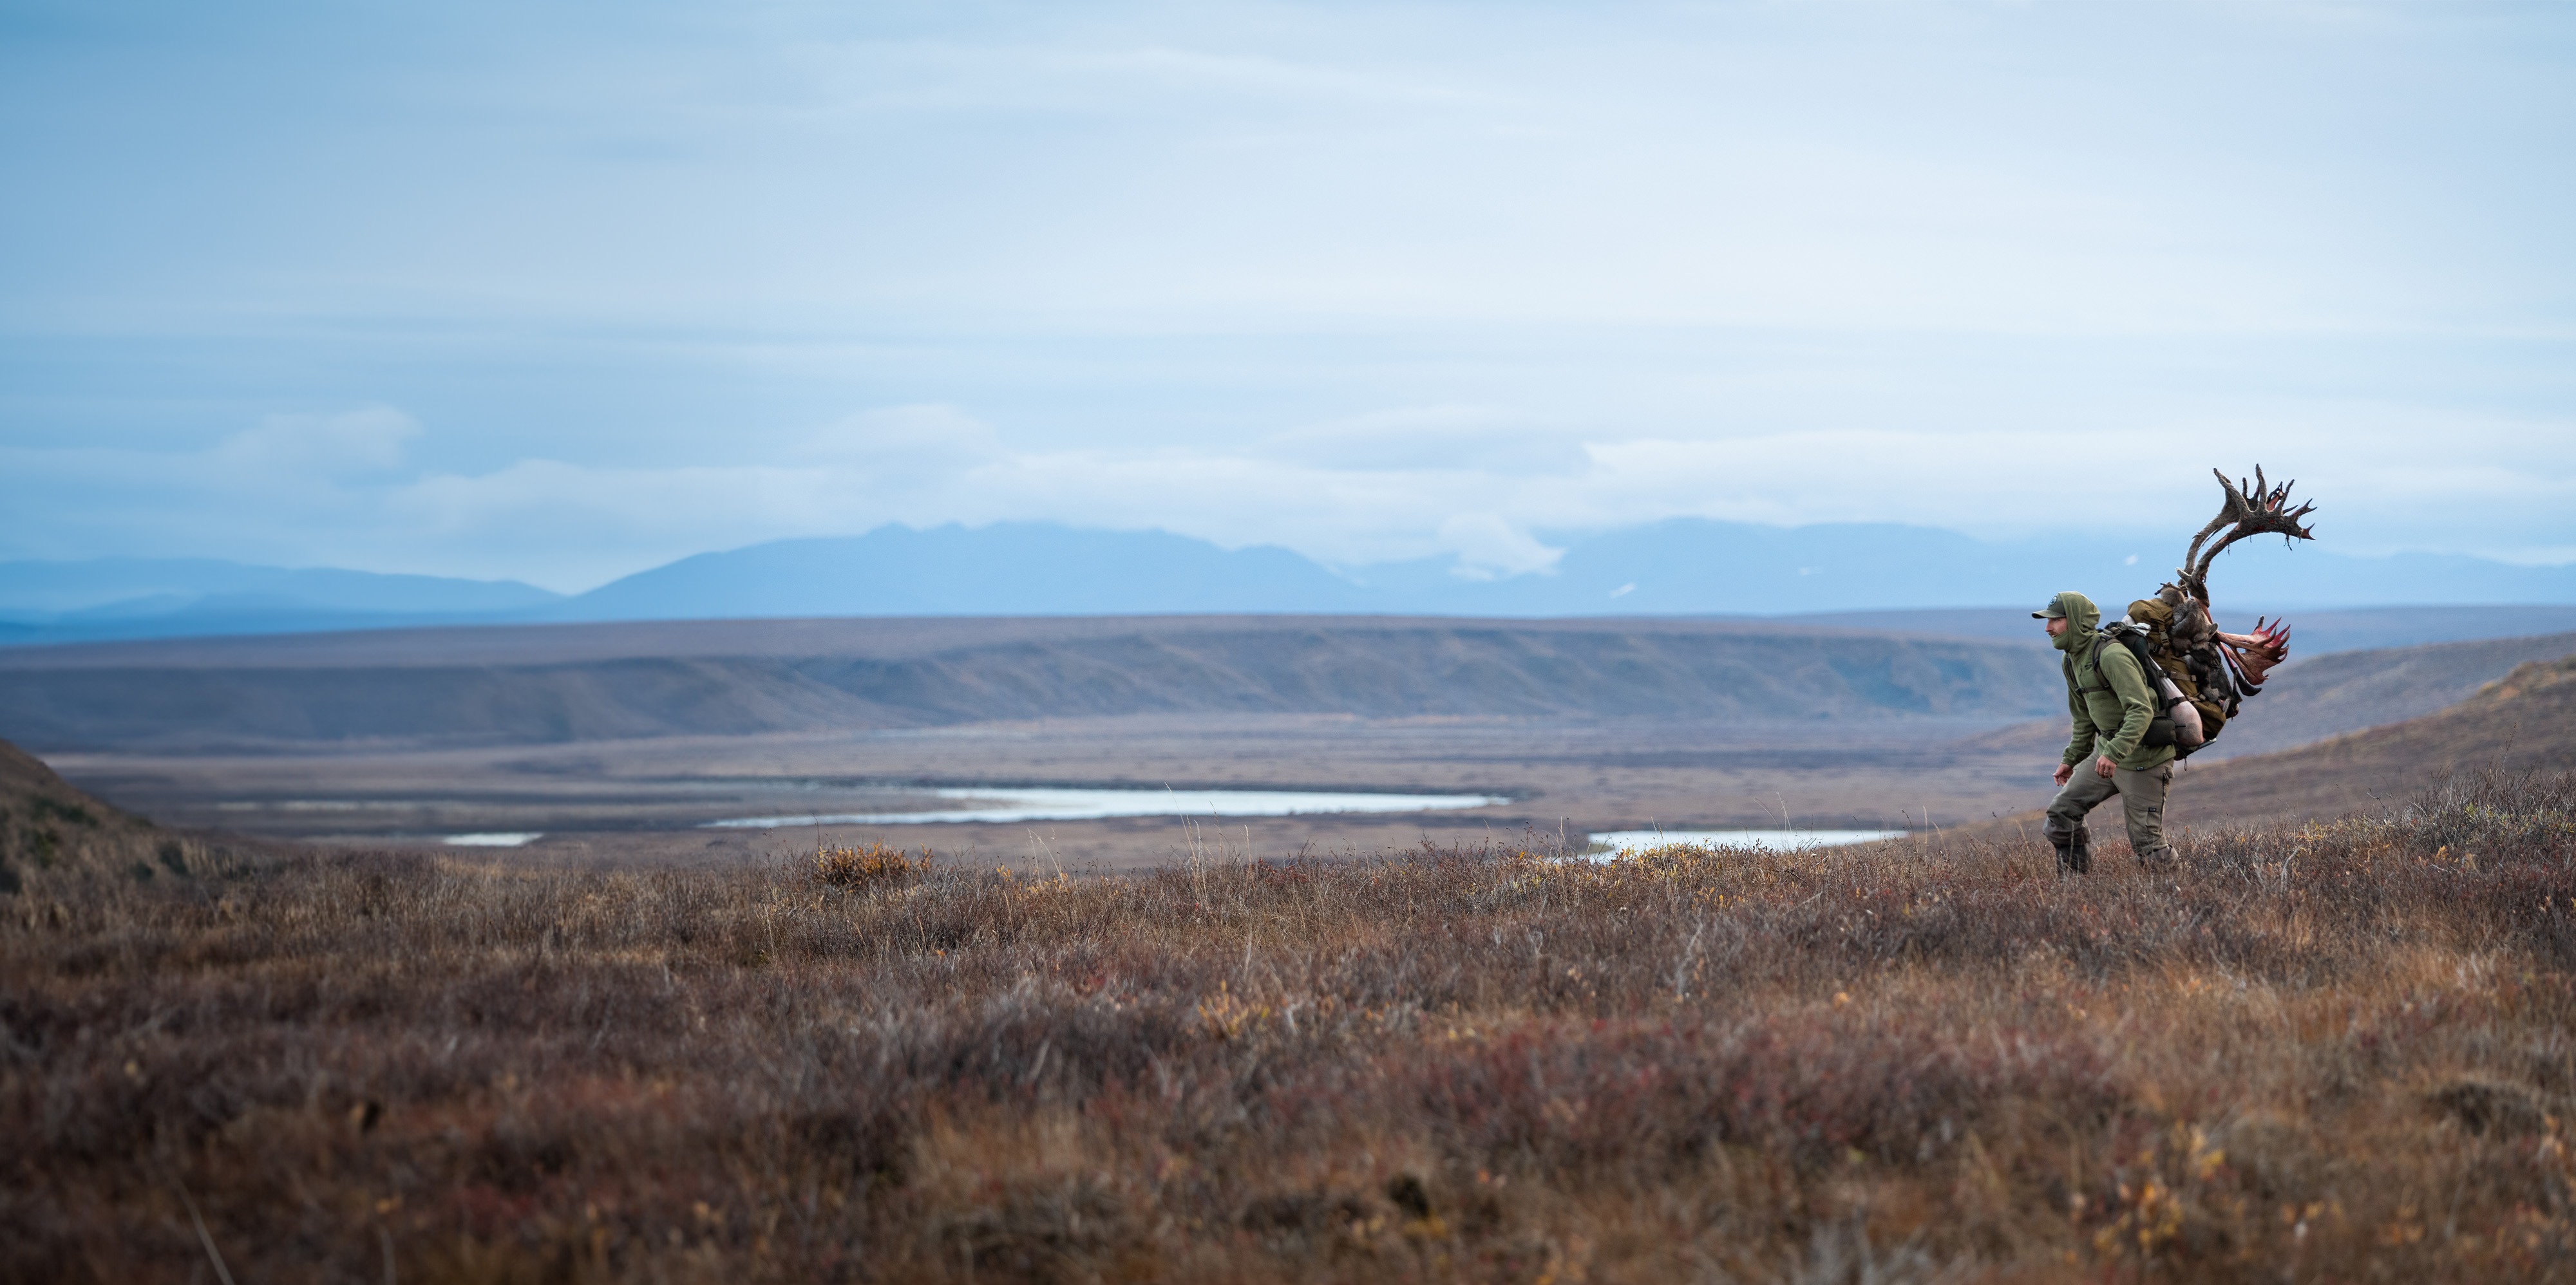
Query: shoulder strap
x: 2092, y: 657
x: 2140, y: 650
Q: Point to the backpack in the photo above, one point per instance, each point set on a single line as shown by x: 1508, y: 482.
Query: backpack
x: 2148, y: 633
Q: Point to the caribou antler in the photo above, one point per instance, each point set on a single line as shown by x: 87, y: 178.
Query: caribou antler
x: 2260, y: 509
x: 2253, y: 655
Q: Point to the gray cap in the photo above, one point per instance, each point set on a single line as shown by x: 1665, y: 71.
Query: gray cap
x: 2056, y: 610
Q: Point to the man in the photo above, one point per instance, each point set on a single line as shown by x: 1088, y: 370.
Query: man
x: 2107, y: 692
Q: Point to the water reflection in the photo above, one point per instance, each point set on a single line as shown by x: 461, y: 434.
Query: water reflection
x: 1005, y: 803
x: 1625, y: 841
x: 493, y: 839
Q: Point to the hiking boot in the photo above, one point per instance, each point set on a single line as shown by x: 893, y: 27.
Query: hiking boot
x: 2074, y: 847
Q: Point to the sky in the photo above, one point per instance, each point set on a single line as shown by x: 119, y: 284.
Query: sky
x: 558, y: 292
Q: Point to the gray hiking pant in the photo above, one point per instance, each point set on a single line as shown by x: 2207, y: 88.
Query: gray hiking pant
x: 2142, y: 800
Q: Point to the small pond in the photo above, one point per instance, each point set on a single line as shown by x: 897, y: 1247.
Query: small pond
x: 1623, y: 841
x: 1013, y: 803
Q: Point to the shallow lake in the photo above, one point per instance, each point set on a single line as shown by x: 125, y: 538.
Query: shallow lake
x: 1622, y: 841
x: 1007, y: 803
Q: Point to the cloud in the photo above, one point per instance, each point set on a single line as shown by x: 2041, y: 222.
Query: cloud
x: 1488, y: 548
x: 1150, y: 75
x: 912, y: 443
x: 1492, y: 490
x: 1370, y: 282
x: 1442, y: 439
x: 366, y: 440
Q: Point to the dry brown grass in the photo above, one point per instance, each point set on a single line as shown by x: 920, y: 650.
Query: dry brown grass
x: 869, y: 865
x: 2339, y: 1052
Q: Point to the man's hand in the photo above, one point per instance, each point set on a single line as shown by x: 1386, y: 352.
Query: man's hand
x: 2102, y: 767
x: 2064, y: 770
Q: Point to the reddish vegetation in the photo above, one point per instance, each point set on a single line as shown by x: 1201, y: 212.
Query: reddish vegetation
x: 2331, y: 1053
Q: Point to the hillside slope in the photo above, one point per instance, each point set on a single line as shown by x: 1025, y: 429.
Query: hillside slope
x: 49, y: 829
x: 2316, y: 634
x: 2348, y: 691
x: 2524, y: 721
x: 143, y: 697
x: 2310, y: 700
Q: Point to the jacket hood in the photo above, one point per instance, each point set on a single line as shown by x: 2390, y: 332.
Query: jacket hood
x: 2082, y: 618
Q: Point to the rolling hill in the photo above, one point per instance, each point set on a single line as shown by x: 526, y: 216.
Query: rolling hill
x: 2333, y: 694
x: 565, y: 683
x: 2314, y: 633
x: 2348, y: 691
x: 51, y: 831
x: 2526, y: 720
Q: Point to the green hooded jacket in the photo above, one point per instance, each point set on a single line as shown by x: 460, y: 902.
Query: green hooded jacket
x: 2106, y: 692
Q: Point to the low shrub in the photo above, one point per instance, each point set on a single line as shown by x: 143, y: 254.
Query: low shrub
x: 868, y: 865
x: 2325, y: 1052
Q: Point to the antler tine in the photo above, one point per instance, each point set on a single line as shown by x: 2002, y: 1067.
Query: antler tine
x: 2253, y: 655
x: 2278, y: 496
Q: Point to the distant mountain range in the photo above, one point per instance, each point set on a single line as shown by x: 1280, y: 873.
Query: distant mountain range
x: 1678, y: 567
x: 187, y: 597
